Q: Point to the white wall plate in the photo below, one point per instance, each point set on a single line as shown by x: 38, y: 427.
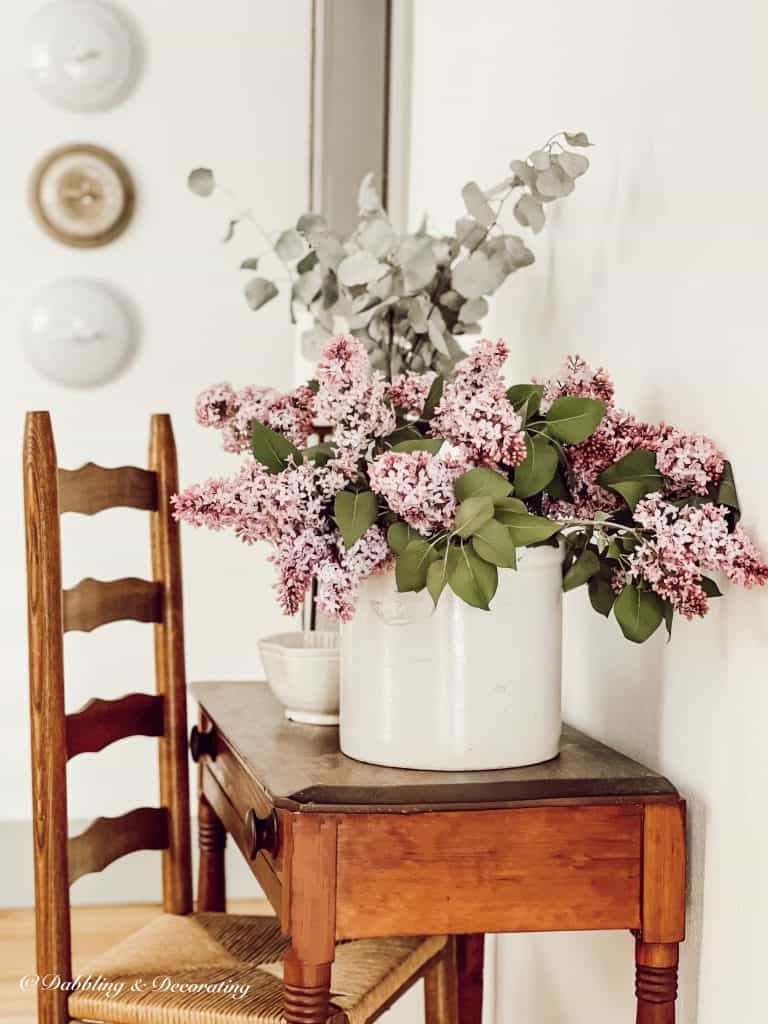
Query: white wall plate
x: 81, y: 54
x: 78, y: 333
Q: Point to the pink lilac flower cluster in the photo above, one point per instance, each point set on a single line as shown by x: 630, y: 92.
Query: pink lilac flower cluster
x: 681, y: 543
x: 352, y: 398
x: 474, y: 412
x: 232, y: 412
x: 409, y: 391
x: 689, y: 463
x: 289, y: 510
x: 419, y: 486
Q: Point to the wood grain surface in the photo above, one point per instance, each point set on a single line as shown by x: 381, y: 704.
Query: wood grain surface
x: 300, y: 767
x: 517, y: 870
x: 93, y: 488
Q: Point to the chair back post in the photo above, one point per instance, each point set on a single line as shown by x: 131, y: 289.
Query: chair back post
x: 48, y: 724
x: 170, y: 672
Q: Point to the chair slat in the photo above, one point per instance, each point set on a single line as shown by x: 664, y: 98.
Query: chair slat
x: 107, y: 839
x: 101, y: 722
x: 94, y: 603
x: 93, y: 488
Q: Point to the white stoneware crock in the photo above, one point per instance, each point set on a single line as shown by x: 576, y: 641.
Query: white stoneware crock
x: 456, y: 688
x: 303, y: 673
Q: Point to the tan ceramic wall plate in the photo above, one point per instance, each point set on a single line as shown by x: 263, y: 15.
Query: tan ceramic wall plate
x: 82, y: 195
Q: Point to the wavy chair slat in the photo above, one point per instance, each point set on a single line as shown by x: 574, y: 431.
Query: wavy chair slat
x: 94, y: 603
x: 101, y: 722
x: 107, y: 839
x: 93, y: 488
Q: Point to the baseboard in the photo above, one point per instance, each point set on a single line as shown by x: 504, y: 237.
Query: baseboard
x: 132, y: 879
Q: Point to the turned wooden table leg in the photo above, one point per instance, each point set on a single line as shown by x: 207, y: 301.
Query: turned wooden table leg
x: 469, y: 971
x: 440, y: 989
x: 663, y: 912
x: 311, y: 918
x: 211, y: 879
x: 656, y: 982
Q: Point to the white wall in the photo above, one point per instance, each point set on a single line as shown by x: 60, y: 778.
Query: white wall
x: 654, y: 267
x: 226, y: 85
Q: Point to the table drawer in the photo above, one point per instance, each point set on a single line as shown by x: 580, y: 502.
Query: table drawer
x: 524, y: 869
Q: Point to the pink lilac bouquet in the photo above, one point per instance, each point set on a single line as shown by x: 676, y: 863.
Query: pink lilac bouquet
x: 443, y: 479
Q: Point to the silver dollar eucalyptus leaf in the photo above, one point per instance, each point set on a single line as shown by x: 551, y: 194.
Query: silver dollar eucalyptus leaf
x: 417, y: 309
x: 550, y: 185
x: 477, y: 205
x: 368, y: 199
x: 360, y: 268
x: 417, y: 262
x: 259, y: 291
x: 306, y: 286
x: 472, y: 310
x: 290, y: 245
x: 377, y: 236
x: 330, y: 251
x: 436, y: 331
x: 577, y: 139
x: 252, y: 263
x: 311, y: 224
x: 469, y: 233
x: 201, y: 181
x: 529, y: 213
x: 540, y: 159
x: 574, y: 164
x: 451, y: 300
x: 473, y: 276
x: 524, y: 172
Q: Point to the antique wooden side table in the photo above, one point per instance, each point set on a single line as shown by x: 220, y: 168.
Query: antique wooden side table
x: 342, y: 849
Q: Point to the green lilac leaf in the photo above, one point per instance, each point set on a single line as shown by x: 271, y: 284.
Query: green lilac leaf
x: 473, y: 579
x: 537, y: 469
x: 493, y: 543
x: 639, y: 613
x: 319, y: 454
x: 583, y: 569
x: 505, y: 507
x: 529, y: 529
x: 710, y: 588
x: 440, y: 572
x: 271, y: 449
x: 520, y: 394
x: 411, y: 566
x: 434, y: 395
x: 481, y: 481
x: 354, y: 512
x: 472, y: 513
x: 399, y: 536
x: 573, y: 419
x: 633, y: 476
x: 422, y: 444
x: 726, y: 492
x: 601, y: 595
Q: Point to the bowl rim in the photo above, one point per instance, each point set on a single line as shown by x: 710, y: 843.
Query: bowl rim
x: 273, y: 643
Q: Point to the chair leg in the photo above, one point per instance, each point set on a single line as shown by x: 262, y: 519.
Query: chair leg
x: 469, y: 969
x: 211, y: 880
x: 307, y: 991
x: 656, y: 982
x: 441, y: 990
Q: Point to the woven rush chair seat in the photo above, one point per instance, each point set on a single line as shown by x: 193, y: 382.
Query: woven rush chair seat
x: 227, y: 969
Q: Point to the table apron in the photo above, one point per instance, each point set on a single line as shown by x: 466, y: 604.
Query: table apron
x: 513, y: 870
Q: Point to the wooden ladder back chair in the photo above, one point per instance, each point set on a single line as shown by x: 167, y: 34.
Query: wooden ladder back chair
x: 56, y: 736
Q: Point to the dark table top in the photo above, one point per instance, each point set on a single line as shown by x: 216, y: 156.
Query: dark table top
x: 301, y: 767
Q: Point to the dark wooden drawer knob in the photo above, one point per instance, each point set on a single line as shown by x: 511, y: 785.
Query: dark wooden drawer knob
x: 261, y: 833
x: 202, y: 743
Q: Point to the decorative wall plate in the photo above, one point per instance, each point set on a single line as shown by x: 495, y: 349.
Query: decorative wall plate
x: 77, y: 333
x: 81, y: 54
x: 82, y: 195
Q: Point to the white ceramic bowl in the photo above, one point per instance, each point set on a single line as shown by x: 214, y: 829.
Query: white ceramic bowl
x: 303, y: 673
